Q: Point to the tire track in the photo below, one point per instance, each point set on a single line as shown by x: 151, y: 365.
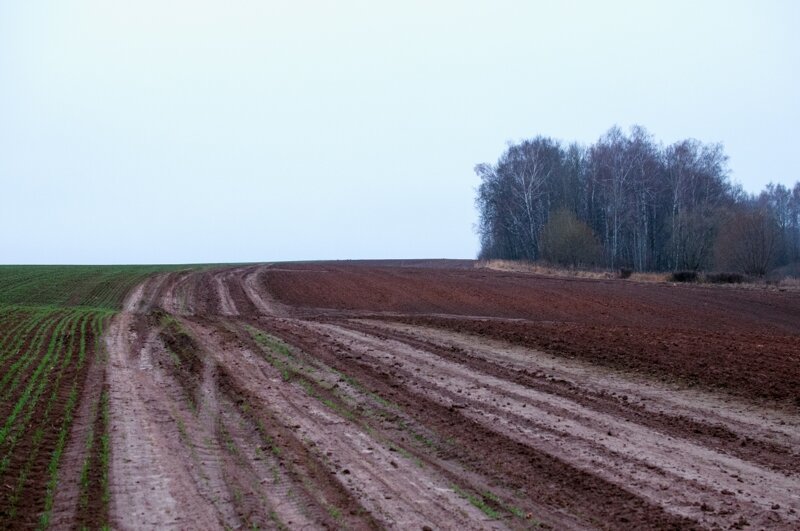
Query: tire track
x: 398, y: 495
x: 379, y: 423
x: 624, y: 453
x: 766, y: 436
x: 149, y: 483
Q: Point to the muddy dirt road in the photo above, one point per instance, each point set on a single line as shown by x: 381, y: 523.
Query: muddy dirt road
x: 405, y: 396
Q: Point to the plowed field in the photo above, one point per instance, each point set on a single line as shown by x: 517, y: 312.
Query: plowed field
x: 406, y: 396
x: 433, y: 395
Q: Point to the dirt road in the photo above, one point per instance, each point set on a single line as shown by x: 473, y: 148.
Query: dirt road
x: 416, y: 397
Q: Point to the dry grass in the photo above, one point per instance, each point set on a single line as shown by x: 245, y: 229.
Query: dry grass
x: 650, y: 277
x: 790, y: 283
x: 534, y: 268
x: 520, y: 266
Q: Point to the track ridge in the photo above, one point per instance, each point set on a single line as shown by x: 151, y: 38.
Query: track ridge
x: 363, y: 396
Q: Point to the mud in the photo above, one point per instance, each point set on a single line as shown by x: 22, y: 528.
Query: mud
x: 421, y: 395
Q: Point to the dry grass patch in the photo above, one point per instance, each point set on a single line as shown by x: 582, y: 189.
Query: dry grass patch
x: 521, y: 266
x: 650, y: 277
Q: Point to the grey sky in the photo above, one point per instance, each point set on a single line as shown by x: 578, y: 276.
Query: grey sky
x: 159, y: 131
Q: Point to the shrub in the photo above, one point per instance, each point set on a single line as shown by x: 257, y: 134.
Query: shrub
x: 625, y: 272
x: 748, y: 241
x: 724, y: 278
x: 568, y: 241
x: 684, y: 276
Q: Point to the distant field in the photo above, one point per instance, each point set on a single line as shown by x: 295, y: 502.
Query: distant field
x: 90, y: 286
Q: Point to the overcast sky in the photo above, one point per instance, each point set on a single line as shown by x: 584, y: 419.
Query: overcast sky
x: 165, y: 131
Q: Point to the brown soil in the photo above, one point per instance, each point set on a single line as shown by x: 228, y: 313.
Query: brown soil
x: 742, y: 341
x: 432, y: 395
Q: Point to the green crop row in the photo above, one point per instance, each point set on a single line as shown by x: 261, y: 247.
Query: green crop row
x: 53, y: 385
x: 35, y: 386
x: 43, y: 351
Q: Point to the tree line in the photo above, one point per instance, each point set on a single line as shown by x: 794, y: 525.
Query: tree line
x: 628, y: 201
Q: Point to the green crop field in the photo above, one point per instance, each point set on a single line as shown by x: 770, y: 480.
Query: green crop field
x: 51, y: 322
x: 102, y: 287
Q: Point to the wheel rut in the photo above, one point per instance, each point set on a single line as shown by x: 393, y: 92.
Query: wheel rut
x: 253, y: 411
